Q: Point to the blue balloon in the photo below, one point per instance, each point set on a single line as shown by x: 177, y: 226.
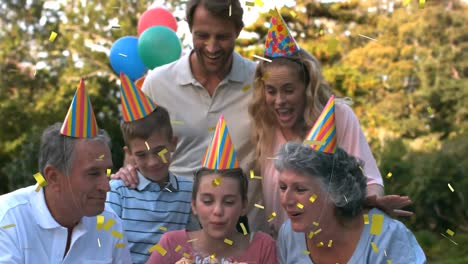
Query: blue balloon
x: 124, y: 58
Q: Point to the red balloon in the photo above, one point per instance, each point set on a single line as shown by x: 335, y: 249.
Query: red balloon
x: 156, y: 17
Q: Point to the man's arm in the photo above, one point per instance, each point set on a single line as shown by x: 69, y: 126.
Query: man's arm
x: 10, y: 252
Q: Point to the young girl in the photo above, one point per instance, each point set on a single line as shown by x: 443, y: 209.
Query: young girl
x: 219, y: 198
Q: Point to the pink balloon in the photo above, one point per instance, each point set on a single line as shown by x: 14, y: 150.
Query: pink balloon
x: 156, y: 17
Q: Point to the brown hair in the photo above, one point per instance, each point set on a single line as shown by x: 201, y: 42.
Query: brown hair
x: 237, y: 174
x: 316, y: 95
x: 157, y: 121
x: 219, y: 9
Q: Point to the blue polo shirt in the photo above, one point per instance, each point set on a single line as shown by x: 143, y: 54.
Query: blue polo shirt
x: 148, y: 211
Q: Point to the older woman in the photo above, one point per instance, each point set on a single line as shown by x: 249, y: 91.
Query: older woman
x: 323, y: 196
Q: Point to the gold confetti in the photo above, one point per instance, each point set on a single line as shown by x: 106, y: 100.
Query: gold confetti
x: 109, y: 172
x: 313, y: 198
x: 300, y: 206
x: 258, y: 3
x: 217, y: 181
x: 265, y: 76
x: 450, y: 232
x: 8, y: 226
x: 99, y: 222
x: 374, y: 247
x: 251, y: 4
x: 109, y: 224
x: 187, y: 255
x: 272, y: 216
x: 315, y: 223
x: 120, y: 245
x: 101, y: 157
x: 320, y: 244
x: 116, y: 234
x: 147, y: 146
x: 364, y: 36
x: 244, y: 230
x: 212, y: 256
x: 123, y: 55
x: 406, y: 3
x: 389, y: 261
x: 162, y: 153
x: 261, y: 58
x: 421, y: 3
x: 450, y: 187
x: 389, y: 175
x: 366, y: 219
x: 376, y: 225
x: 99, y: 242
x: 318, y: 231
x: 40, y: 180
x: 246, y: 87
x: 449, y: 239
x: 293, y: 14
x: 192, y: 240
x: 252, y: 175
x: 259, y: 206
x: 163, y: 228
x: 53, y: 35
x: 159, y: 249
x: 330, y: 243
x: 177, y: 122
x: 228, y: 241
x: 177, y: 248
x: 306, y: 252
x: 311, y: 234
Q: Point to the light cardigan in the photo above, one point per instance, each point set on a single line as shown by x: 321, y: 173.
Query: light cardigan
x: 350, y: 137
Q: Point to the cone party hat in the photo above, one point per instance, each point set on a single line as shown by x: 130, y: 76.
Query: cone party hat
x: 322, y: 136
x: 80, y: 121
x: 279, y: 41
x: 220, y: 154
x: 135, y: 104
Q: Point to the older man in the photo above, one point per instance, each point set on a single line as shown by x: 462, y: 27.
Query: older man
x: 58, y: 223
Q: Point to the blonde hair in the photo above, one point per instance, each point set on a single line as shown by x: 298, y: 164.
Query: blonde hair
x: 317, y: 93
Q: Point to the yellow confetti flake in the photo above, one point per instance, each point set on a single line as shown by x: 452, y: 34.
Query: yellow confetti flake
x: 318, y: 231
x: 159, y: 249
x: 252, y: 175
x: 40, y: 180
x: 261, y: 58
x: 217, y: 181
x: 8, y: 226
x: 163, y: 228
x: 258, y: 3
x: 311, y: 234
x: 450, y: 187
x: 315, y: 223
x: 186, y: 255
x: 300, y: 206
x: 177, y: 248
x: 450, y: 232
x: 192, y: 240
x: 313, y: 142
x: 147, y: 146
x: 251, y: 4
x: 389, y: 175
x: 162, y: 155
x: 406, y: 2
x: 109, y: 172
x: 320, y: 244
x: 52, y: 36
x: 272, y: 216
x: 120, y: 245
x: 246, y: 87
x: 259, y: 206
x: 330, y: 243
x: 109, y: 224
x: 374, y: 247
x: 313, y: 198
x: 99, y: 242
x: 99, y: 222
x: 366, y: 219
x: 265, y: 76
x: 376, y: 225
x: 228, y: 241
x: 293, y: 14
x: 177, y: 122
x: 305, y: 252
x: 421, y: 3
x: 244, y: 230
x: 212, y: 256
x: 389, y: 261
x: 116, y: 234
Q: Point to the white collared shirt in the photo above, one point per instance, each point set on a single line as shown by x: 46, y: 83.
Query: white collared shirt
x: 37, y: 238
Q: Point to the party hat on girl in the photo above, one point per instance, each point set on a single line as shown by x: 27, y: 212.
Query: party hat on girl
x: 279, y: 41
x: 322, y: 136
x: 80, y: 121
x: 135, y: 104
x: 220, y: 154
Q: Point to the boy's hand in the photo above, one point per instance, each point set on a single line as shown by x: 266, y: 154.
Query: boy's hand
x: 128, y: 175
x: 390, y: 204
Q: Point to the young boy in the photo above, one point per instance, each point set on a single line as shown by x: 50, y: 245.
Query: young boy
x: 161, y: 200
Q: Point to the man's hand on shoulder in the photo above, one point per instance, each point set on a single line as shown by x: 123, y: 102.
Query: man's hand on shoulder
x: 128, y: 174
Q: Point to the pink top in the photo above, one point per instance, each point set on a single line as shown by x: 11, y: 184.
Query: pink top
x: 349, y: 137
x: 262, y: 249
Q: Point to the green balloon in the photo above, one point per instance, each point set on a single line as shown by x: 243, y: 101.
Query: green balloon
x: 158, y: 45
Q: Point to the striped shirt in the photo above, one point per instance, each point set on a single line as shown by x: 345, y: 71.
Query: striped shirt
x: 148, y: 211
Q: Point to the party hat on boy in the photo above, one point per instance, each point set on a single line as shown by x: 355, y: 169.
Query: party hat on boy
x: 80, y: 121
x: 322, y: 136
x: 279, y: 41
x: 135, y: 104
x: 220, y: 154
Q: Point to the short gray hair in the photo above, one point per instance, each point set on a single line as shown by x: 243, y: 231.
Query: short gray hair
x: 339, y: 173
x: 57, y: 149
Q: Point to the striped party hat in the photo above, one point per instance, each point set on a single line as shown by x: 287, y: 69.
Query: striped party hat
x: 135, y: 104
x: 80, y: 121
x: 322, y: 136
x: 279, y: 42
x: 220, y: 154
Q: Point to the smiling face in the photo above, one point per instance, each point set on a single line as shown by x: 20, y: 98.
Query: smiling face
x: 218, y: 207
x: 213, y: 39
x: 285, y: 95
x: 85, y: 188
x: 296, y: 188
